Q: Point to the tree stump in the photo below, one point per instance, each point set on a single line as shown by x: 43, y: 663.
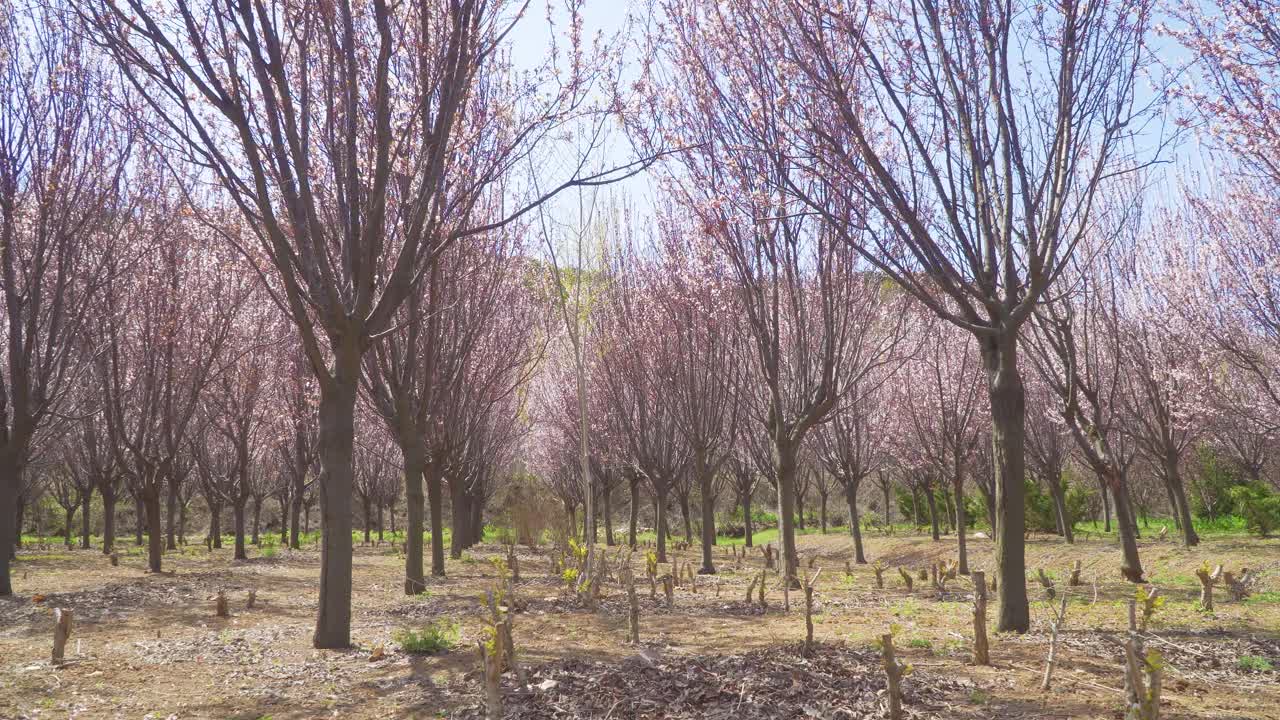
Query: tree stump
x: 878, y: 568
x: 1241, y: 588
x: 220, y: 607
x: 893, y: 671
x: 253, y: 598
x: 808, y: 611
x: 981, y: 647
x: 751, y: 589
x: 669, y: 589
x: 61, y: 633
x: 1074, y: 580
x: 1050, y: 591
x: 491, y: 667
x: 906, y: 578
x: 764, y: 606
x: 1055, y: 623
x: 1207, y: 581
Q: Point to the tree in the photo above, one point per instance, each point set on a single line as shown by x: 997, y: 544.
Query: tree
x: 349, y: 218
x: 66, y: 190
x: 921, y: 135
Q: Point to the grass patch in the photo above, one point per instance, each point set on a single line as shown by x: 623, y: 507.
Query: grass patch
x: 1254, y: 663
x: 434, y: 638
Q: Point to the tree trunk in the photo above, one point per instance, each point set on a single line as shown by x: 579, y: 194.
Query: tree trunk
x: 746, y: 518
x: 10, y: 527
x: 85, y: 530
x: 367, y: 507
x: 139, y: 517
x: 475, y: 504
x: 215, y: 526
x: 155, y: 530
x: 381, y: 526
x: 888, y: 505
x: 932, y: 498
x: 1106, y: 504
x: 336, y: 442
x: 257, y: 520
x: 855, y: 529
x: 661, y: 529
x: 635, y: 510
x: 414, y: 455
x: 799, y: 510
x: 785, y: 457
x: 915, y: 506
x: 1008, y: 438
x: 108, y: 522
x: 182, y: 524
x: 688, y: 520
x: 1131, y: 566
x: 961, y: 548
x: 237, y: 514
x: 608, y: 514
x: 461, y: 518
x: 1059, y: 495
x: 1181, y: 507
x: 822, y: 512
x: 284, y: 519
x: 295, y: 526
x: 706, y: 477
x: 171, y: 516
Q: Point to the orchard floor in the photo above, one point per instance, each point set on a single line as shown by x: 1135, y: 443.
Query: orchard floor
x: 149, y: 646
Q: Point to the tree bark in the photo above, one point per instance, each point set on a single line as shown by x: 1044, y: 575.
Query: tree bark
x: 785, y: 456
x: 139, y: 517
x: 746, y: 518
x: 705, y: 478
x: 155, y: 531
x: 961, y: 547
x: 607, y: 492
x: 634, y: 519
x: 10, y: 527
x: 69, y: 526
x: 1189, y: 536
x: 1131, y: 565
x: 85, y: 506
x: 1008, y: 438
x: 257, y: 520
x: 171, y: 516
x: 661, y: 496
x: 108, y: 522
x: 295, y: 525
x: 237, y: 513
x: 215, y: 526
x: 336, y: 443
x: 855, y: 529
x: 684, y: 513
x: 822, y: 512
x: 931, y: 497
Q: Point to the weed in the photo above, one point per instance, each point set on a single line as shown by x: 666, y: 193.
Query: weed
x: 1254, y: 663
x: 436, y: 637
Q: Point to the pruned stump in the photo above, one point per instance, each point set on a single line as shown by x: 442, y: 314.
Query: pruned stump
x: 894, y: 672
x: 1207, y: 581
x: 981, y: 646
x: 252, y: 600
x: 1050, y: 591
x: 61, y: 633
x: 1074, y: 579
x: 878, y: 568
x: 809, y: 584
x: 906, y: 578
x: 220, y: 607
x: 669, y: 589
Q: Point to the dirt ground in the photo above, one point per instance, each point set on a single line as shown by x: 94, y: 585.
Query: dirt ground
x: 149, y: 646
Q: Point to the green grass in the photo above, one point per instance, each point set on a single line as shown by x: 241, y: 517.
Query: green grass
x: 431, y: 639
x: 1254, y: 663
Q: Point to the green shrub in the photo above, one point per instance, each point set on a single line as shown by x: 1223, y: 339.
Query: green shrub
x: 1212, y: 481
x: 1259, y: 507
x: 437, y: 637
